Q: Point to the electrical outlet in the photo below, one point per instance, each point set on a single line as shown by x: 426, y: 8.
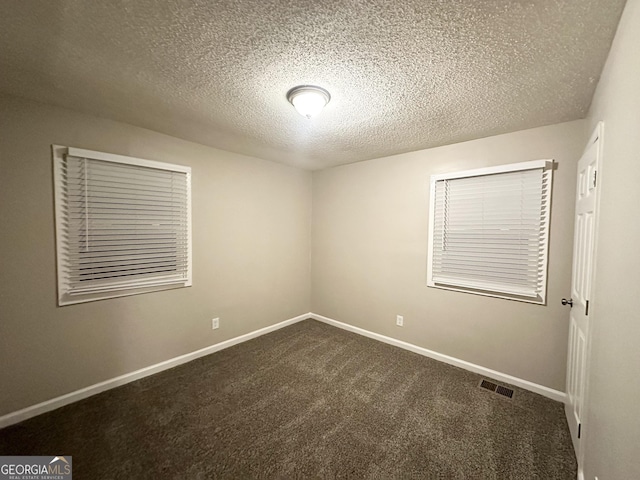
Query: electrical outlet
x: 400, y: 320
x: 215, y: 323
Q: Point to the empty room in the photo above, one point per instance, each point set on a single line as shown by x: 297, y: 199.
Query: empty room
x: 335, y: 239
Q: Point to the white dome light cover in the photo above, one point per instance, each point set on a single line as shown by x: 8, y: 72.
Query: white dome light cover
x: 308, y: 100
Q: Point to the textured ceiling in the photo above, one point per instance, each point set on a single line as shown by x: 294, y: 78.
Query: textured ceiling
x: 403, y: 75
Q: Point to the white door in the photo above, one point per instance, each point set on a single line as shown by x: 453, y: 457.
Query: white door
x: 582, y: 275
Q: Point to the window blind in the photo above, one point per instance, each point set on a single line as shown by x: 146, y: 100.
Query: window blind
x: 123, y: 227
x: 490, y: 231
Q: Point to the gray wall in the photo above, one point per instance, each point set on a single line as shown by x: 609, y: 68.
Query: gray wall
x: 251, y: 227
x: 612, y: 428
x: 370, y: 222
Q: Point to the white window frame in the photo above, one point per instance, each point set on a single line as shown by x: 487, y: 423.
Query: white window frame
x: 545, y: 164
x: 64, y: 298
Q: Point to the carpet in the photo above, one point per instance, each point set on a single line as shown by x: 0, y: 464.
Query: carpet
x: 306, y: 401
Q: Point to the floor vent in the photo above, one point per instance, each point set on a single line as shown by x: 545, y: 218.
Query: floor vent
x: 488, y: 385
x: 507, y: 392
x: 499, y: 389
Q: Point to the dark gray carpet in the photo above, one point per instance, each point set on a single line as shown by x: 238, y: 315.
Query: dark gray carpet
x: 306, y: 401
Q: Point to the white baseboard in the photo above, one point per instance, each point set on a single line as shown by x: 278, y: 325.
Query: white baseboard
x: 502, y: 377
x: 34, y: 410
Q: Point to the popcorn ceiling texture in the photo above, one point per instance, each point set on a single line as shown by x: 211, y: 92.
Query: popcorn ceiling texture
x: 403, y: 75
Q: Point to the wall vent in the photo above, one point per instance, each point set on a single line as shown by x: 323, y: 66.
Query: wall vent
x: 494, y: 387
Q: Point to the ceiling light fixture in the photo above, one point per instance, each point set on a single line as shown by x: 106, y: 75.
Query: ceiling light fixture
x: 308, y: 100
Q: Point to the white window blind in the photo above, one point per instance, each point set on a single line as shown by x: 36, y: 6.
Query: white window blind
x: 489, y: 230
x: 123, y: 225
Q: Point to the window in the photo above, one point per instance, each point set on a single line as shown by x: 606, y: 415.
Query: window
x: 123, y: 225
x: 489, y: 231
